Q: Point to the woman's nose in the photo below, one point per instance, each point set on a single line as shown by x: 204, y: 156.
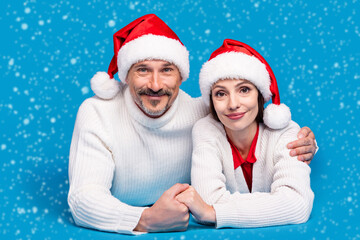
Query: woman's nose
x: 233, y: 102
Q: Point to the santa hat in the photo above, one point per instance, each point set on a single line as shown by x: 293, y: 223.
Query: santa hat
x: 146, y: 38
x: 235, y: 59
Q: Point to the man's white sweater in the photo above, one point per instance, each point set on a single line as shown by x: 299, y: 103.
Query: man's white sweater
x: 281, y: 192
x: 122, y: 161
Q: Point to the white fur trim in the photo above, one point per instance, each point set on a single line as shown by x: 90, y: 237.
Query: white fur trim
x: 234, y: 65
x: 103, y: 86
x: 277, y: 116
x: 153, y: 47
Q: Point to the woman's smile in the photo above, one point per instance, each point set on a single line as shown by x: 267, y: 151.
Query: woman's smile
x: 235, y: 116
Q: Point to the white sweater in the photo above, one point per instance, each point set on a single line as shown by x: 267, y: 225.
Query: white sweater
x: 122, y: 161
x: 281, y: 192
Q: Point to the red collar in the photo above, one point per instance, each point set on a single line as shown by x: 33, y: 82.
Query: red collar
x: 238, y: 160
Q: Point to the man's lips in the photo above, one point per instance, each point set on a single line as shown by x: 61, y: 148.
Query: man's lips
x: 235, y: 116
x: 154, y: 97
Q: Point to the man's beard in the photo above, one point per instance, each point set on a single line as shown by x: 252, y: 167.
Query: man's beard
x: 154, y: 103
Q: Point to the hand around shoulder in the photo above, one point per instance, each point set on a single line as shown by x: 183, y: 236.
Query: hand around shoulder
x: 305, y: 146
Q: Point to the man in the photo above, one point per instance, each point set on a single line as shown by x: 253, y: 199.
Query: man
x: 131, y: 148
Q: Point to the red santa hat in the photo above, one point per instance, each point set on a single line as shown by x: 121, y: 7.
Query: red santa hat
x: 146, y: 38
x: 237, y: 60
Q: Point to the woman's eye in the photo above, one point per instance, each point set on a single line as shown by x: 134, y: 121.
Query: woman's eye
x: 219, y: 94
x: 244, y: 90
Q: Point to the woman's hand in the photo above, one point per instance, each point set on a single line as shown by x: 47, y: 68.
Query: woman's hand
x: 199, y: 209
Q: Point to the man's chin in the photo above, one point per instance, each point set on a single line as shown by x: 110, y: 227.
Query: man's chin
x: 153, y: 112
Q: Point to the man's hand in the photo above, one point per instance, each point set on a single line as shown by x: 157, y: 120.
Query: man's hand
x: 200, y: 209
x: 167, y: 213
x: 305, y: 147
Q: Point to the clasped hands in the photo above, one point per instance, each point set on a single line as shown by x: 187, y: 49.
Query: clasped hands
x: 171, y: 211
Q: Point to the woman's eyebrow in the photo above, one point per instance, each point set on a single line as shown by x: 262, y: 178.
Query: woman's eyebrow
x: 219, y: 86
x: 241, y: 83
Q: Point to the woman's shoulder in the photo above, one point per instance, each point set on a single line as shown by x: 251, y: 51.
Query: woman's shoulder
x: 291, y: 125
x: 208, y: 122
x: 208, y: 126
x: 289, y: 132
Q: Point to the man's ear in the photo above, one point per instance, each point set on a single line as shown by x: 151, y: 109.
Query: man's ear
x: 181, y: 79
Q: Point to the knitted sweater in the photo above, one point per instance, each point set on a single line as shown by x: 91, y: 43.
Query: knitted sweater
x: 122, y: 161
x: 281, y: 192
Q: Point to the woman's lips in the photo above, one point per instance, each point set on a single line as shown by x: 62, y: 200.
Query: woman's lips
x: 235, y: 116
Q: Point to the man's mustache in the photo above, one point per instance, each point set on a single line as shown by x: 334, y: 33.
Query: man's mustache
x: 150, y: 92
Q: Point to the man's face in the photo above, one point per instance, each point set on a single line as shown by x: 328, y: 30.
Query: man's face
x: 154, y: 86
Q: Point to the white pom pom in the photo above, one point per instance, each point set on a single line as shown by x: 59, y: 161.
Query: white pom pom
x: 103, y: 86
x: 277, y: 116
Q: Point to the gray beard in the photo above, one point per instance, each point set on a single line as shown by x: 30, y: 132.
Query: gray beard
x: 150, y: 112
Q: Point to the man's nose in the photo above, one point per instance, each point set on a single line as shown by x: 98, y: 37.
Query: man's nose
x: 155, y: 83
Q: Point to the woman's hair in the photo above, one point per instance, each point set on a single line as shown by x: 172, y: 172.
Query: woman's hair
x: 259, y: 117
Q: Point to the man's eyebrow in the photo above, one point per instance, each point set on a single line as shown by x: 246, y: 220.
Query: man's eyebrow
x: 168, y: 64
x: 141, y: 66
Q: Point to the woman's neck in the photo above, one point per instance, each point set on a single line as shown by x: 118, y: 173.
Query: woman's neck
x: 242, y: 139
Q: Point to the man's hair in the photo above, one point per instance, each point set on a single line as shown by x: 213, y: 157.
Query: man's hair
x: 259, y: 117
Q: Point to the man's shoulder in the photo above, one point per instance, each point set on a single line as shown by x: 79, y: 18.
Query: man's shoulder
x: 95, y: 106
x: 97, y: 102
x: 194, y: 103
x: 92, y: 103
x: 186, y: 97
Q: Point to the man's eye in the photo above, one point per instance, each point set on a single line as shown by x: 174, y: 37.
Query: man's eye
x: 142, y: 69
x: 167, y: 69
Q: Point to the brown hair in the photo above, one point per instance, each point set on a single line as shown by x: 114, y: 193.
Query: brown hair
x: 259, y: 117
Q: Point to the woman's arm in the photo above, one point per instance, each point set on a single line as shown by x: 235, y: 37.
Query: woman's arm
x: 289, y: 202
x: 290, y: 199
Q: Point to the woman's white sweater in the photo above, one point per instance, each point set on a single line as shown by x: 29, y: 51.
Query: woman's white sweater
x: 281, y: 192
x: 122, y: 161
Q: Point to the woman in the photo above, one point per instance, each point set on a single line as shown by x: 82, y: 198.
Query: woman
x: 242, y: 174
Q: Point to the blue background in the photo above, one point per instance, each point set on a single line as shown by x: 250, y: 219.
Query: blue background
x: 51, y: 49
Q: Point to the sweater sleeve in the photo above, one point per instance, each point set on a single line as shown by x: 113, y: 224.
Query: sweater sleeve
x: 289, y: 201
x: 91, y: 171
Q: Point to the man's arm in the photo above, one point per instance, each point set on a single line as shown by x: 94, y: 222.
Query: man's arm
x: 305, y: 147
x: 91, y: 173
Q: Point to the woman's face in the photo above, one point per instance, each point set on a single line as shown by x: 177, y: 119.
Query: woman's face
x: 235, y: 103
